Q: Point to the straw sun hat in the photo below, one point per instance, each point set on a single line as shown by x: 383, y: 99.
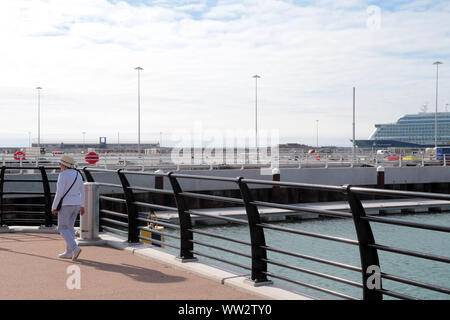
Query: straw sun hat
x: 67, y: 162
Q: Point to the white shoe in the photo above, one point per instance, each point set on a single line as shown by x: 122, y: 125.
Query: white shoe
x: 65, y: 255
x: 76, y: 252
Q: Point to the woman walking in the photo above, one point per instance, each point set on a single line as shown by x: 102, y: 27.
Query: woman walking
x: 68, y: 202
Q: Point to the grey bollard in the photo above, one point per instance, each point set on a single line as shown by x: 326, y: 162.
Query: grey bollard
x: 380, y: 177
x: 89, y: 221
x: 276, y: 189
x: 159, y: 184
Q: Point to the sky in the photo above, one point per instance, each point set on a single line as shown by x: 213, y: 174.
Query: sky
x: 199, y: 58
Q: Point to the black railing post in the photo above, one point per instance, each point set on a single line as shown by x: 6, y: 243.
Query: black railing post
x: 186, y: 236
x: 258, y: 241
x: 2, y: 177
x: 88, y: 175
x: 133, y: 230
x: 47, y: 197
x: 368, y: 256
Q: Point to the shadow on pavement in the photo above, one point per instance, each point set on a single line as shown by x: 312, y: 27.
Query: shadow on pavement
x: 134, y: 272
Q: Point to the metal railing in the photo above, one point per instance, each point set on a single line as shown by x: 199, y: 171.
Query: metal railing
x: 131, y: 223
x: 44, y: 197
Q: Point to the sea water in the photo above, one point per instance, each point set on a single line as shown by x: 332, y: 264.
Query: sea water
x: 431, y: 272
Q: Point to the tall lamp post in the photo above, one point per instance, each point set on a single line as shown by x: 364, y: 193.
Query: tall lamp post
x: 84, y: 141
x: 256, y: 115
x: 317, y: 134
x: 353, y: 147
x: 39, y: 116
x: 139, y: 108
x: 437, y: 63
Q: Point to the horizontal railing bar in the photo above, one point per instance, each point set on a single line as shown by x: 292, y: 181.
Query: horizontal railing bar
x: 105, y: 184
x: 211, y: 197
x: 295, y: 185
x: 162, y: 191
x: 29, y: 168
x: 23, y: 192
x: 21, y: 180
x: 307, y: 285
x: 210, y: 234
x: 406, y: 223
x: 305, y: 209
x: 162, y: 243
x: 114, y: 213
x: 160, y: 232
x: 400, y: 193
x: 23, y: 212
x: 22, y: 205
x: 22, y: 220
x: 315, y: 273
x: 410, y: 253
x: 220, y: 248
x: 99, y: 169
x: 221, y: 260
x: 415, y: 283
x: 198, y: 177
x: 114, y: 229
x: 396, y: 294
x: 164, y: 224
x: 309, y: 234
x: 119, y: 223
x: 298, y: 255
x: 154, y: 206
x: 234, y: 220
x: 113, y: 199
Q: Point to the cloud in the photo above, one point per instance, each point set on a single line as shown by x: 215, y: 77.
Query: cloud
x: 199, y: 58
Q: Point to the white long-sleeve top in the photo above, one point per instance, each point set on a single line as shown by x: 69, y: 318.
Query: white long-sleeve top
x: 76, y: 195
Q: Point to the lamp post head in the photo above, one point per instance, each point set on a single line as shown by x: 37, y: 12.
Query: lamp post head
x: 39, y: 88
x: 256, y: 76
x: 138, y: 68
x: 437, y: 62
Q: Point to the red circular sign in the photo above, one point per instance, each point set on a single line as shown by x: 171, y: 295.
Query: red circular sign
x: 91, y: 157
x: 19, y: 155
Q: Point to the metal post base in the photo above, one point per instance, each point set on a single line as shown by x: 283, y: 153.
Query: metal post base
x: 258, y: 284
x: 186, y: 260
x: 4, y: 229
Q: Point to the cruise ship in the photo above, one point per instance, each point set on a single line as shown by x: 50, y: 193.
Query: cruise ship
x: 410, y: 131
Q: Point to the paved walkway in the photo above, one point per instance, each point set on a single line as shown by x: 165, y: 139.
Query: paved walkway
x: 30, y: 269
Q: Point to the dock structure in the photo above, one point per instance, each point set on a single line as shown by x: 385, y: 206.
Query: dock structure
x: 372, y: 207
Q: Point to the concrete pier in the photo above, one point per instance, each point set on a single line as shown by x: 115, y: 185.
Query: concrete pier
x: 372, y: 207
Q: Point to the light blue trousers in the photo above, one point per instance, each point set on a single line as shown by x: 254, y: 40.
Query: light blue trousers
x: 66, y: 221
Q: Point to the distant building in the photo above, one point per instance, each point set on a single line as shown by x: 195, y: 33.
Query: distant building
x: 410, y: 131
x: 102, y: 145
x: 293, y: 146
